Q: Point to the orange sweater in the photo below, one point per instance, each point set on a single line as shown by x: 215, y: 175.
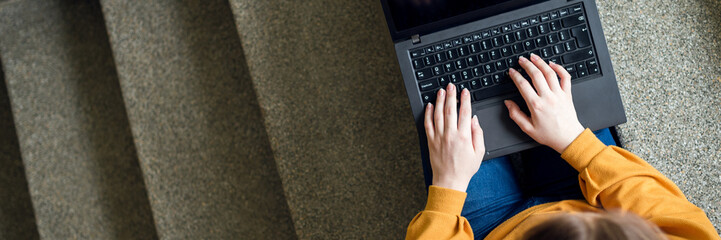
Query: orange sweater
x: 609, y: 177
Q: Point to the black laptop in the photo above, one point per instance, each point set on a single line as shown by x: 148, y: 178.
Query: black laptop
x: 472, y: 44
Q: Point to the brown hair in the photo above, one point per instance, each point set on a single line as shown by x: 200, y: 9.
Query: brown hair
x: 610, y: 225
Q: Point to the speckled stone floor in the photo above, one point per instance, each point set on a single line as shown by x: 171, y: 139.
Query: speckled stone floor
x: 667, y: 56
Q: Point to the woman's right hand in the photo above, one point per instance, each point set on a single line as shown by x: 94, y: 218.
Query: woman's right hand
x: 553, y: 121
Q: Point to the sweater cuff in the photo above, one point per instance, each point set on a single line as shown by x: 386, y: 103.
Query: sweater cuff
x: 580, y: 152
x: 445, y: 200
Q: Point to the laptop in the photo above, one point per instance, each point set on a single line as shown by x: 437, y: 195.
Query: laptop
x: 472, y: 44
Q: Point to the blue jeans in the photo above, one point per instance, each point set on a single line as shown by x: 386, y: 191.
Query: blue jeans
x: 504, y: 187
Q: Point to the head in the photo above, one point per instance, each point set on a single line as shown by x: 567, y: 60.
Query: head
x: 595, y: 226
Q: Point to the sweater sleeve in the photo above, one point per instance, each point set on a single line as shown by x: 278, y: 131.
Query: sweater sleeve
x: 441, y: 218
x: 613, y: 178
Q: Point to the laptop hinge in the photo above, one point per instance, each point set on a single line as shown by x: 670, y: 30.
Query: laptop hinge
x: 416, y: 39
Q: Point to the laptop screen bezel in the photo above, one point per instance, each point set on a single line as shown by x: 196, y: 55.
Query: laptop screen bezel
x: 452, y: 21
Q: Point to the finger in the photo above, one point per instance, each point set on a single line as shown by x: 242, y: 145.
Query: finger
x: 518, y: 116
x: 551, y: 77
x: 428, y: 121
x: 451, y: 120
x: 565, y: 77
x: 464, y: 114
x: 523, y: 86
x: 478, y: 142
x: 438, y: 117
x: 539, y: 81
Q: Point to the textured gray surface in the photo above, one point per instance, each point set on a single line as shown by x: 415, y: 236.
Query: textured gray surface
x: 337, y: 115
x: 82, y: 172
x: 667, y: 56
x: 17, y: 220
x: 196, y: 122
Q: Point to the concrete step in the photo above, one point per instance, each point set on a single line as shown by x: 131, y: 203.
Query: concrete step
x: 76, y: 146
x: 337, y: 115
x: 17, y: 220
x: 195, y: 120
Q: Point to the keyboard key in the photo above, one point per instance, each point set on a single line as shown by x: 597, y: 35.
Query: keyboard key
x: 488, y: 68
x: 552, y: 39
x: 529, y: 45
x: 477, y: 72
x: 443, y: 81
x: 506, y: 28
x: 520, y: 35
x: 546, y: 52
x: 457, y: 42
x: 517, y: 48
x: 476, y: 37
x: 531, y: 32
x: 417, y: 53
x: 581, y: 35
x: 569, y: 46
x: 497, y: 41
x: 428, y: 85
x: 439, y: 47
x: 429, y: 60
x: 471, y: 61
x: 467, y: 39
x: 449, y: 67
x: 428, y: 97
x: 501, y: 65
x: 516, y: 26
x: 570, y: 68
x: 563, y: 12
x: 486, y: 44
x: 555, y: 25
x: 476, y: 84
x: 576, y: 9
x: 483, y: 58
x: 423, y: 74
x: 474, y: 48
x: 582, y: 72
x: 525, y: 23
x: 417, y: 63
x: 555, y: 60
x: 454, y: 77
x: 447, y: 45
x: 508, y: 39
x: 451, y: 54
x: 592, y: 66
x: 506, y: 51
x: 495, y: 54
x: 437, y: 70
x: 573, y: 20
x: 512, y: 62
x: 545, y: 17
x: 462, y: 86
x: 440, y: 57
x: 554, y: 15
x: 486, y: 81
x: 541, y: 42
x: 558, y: 49
x: 486, y: 34
x: 534, y: 21
x: 460, y: 64
x: 579, y: 55
x: 495, y: 31
x: 463, y: 51
x: 563, y: 35
x: 429, y: 49
x: 544, y: 28
x: 466, y: 74
x: 497, y: 77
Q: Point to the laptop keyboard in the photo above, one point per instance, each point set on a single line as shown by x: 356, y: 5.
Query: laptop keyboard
x: 480, y: 61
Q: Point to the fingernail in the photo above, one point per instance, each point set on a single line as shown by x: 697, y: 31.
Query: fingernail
x: 534, y: 56
x: 512, y: 70
x: 465, y: 91
x: 551, y: 63
x: 429, y: 105
x: 522, y: 59
x: 441, y: 92
x: 451, y: 87
x: 505, y: 102
x: 475, y: 118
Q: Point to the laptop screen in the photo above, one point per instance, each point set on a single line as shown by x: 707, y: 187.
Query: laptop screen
x: 408, y: 17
